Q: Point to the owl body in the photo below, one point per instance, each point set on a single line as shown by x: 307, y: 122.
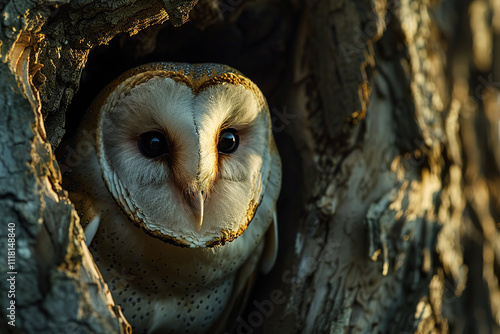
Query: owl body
x: 177, y: 193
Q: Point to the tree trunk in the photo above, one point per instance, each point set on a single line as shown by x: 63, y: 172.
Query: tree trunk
x: 386, y: 116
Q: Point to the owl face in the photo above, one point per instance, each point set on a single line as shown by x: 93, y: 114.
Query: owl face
x: 182, y: 150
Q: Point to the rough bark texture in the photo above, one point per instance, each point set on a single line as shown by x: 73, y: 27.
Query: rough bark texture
x: 386, y: 116
x: 57, y: 287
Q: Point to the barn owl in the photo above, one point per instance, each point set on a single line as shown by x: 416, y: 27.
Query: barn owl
x: 176, y: 183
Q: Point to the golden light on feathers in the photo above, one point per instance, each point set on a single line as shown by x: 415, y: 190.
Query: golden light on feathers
x: 186, y: 153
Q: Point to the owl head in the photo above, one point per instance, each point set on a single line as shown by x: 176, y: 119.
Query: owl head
x: 185, y: 150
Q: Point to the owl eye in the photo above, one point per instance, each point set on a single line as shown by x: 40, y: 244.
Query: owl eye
x: 228, y: 141
x: 153, y: 144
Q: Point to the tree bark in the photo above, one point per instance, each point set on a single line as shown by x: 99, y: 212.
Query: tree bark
x: 51, y: 283
x: 386, y: 115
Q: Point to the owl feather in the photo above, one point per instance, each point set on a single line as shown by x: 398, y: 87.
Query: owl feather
x: 177, y: 188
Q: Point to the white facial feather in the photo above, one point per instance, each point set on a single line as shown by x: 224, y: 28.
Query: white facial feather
x: 154, y: 105
x: 192, y: 124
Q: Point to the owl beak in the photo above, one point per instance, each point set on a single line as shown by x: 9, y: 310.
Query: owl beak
x: 196, y: 199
